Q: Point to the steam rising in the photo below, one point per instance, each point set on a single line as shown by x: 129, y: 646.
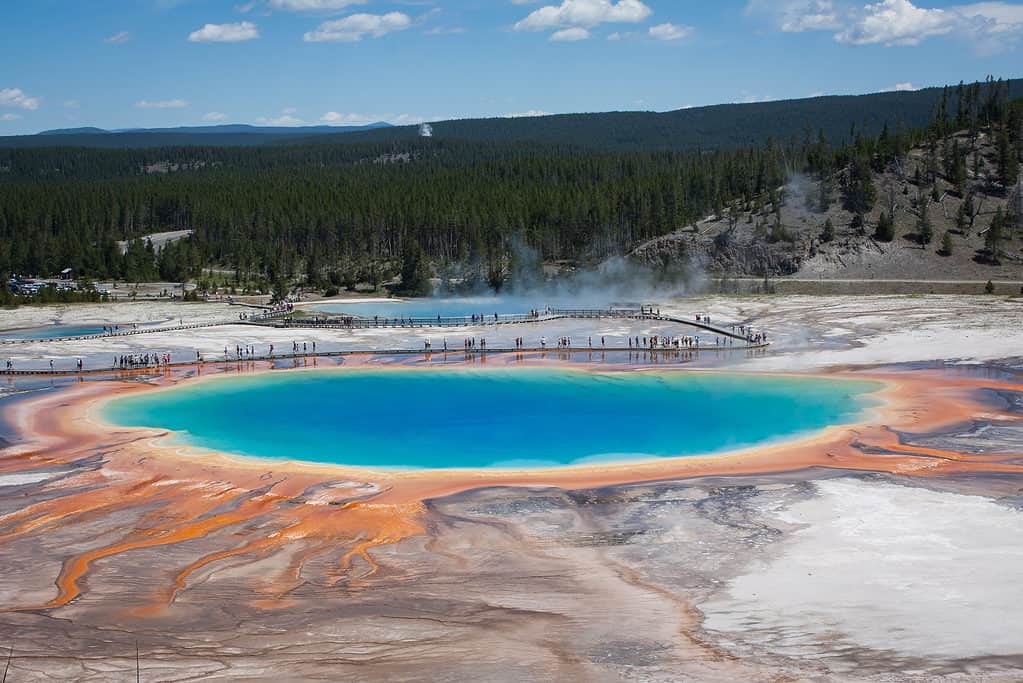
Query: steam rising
x: 425, y: 131
x: 619, y: 280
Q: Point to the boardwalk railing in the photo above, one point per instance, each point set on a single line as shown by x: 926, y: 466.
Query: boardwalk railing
x: 119, y: 333
x: 355, y: 322
x: 679, y: 354
x: 279, y: 319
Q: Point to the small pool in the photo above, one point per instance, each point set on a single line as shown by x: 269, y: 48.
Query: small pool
x: 507, y: 418
x: 58, y: 331
x: 52, y: 332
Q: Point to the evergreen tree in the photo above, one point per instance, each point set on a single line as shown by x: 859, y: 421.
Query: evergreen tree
x: 925, y: 231
x: 1008, y: 159
x: 994, y: 236
x: 857, y: 223
x: 828, y: 234
x: 962, y: 217
x: 859, y: 191
x: 415, y: 271
x: 957, y: 168
x: 946, y: 244
x: 885, y: 230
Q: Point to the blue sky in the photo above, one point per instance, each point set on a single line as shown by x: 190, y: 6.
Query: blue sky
x: 148, y: 63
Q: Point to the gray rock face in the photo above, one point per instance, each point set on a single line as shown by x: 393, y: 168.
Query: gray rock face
x: 733, y: 252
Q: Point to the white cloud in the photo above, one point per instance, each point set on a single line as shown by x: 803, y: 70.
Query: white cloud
x: 901, y: 87
x: 527, y: 114
x: 282, y: 120
x: 72, y: 104
x: 246, y: 8
x: 751, y: 98
x: 16, y: 98
x: 214, y: 116
x: 1001, y: 17
x: 334, y: 118
x: 9, y: 117
x: 796, y: 16
x: 671, y: 31
x: 313, y: 5
x: 444, y: 30
x: 897, y: 22
x: 570, y: 35
x: 988, y: 26
x: 225, y: 33
x: 355, y: 27
x: 584, y: 14
x: 118, y: 38
x: 162, y: 104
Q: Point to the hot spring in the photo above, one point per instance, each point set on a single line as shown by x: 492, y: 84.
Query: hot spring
x: 451, y: 307
x: 507, y: 418
x: 59, y: 331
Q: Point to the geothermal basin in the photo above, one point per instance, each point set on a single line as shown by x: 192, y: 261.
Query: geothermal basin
x: 411, y: 418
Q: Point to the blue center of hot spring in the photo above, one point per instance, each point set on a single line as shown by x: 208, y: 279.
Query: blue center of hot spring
x: 508, y: 418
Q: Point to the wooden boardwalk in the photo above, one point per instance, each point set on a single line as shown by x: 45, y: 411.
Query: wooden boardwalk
x: 440, y: 322
x: 451, y: 353
x: 379, y: 322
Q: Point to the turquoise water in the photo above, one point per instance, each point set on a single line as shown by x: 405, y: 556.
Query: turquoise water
x: 53, y: 332
x: 447, y: 307
x: 489, y: 418
x: 56, y: 331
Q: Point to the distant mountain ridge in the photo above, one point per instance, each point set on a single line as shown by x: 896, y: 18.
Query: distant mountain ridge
x: 722, y: 126
x: 221, y: 128
x: 226, y: 135
x: 85, y: 130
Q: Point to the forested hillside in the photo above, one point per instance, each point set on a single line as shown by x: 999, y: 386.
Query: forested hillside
x: 459, y: 206
x: 725, y: 126
x: 228, y: 135
x: 356, y: 212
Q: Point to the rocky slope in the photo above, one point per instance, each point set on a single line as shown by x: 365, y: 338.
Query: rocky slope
x: 788, y: 239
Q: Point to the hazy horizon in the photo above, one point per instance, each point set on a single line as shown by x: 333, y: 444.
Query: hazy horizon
x: 169, y: 63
